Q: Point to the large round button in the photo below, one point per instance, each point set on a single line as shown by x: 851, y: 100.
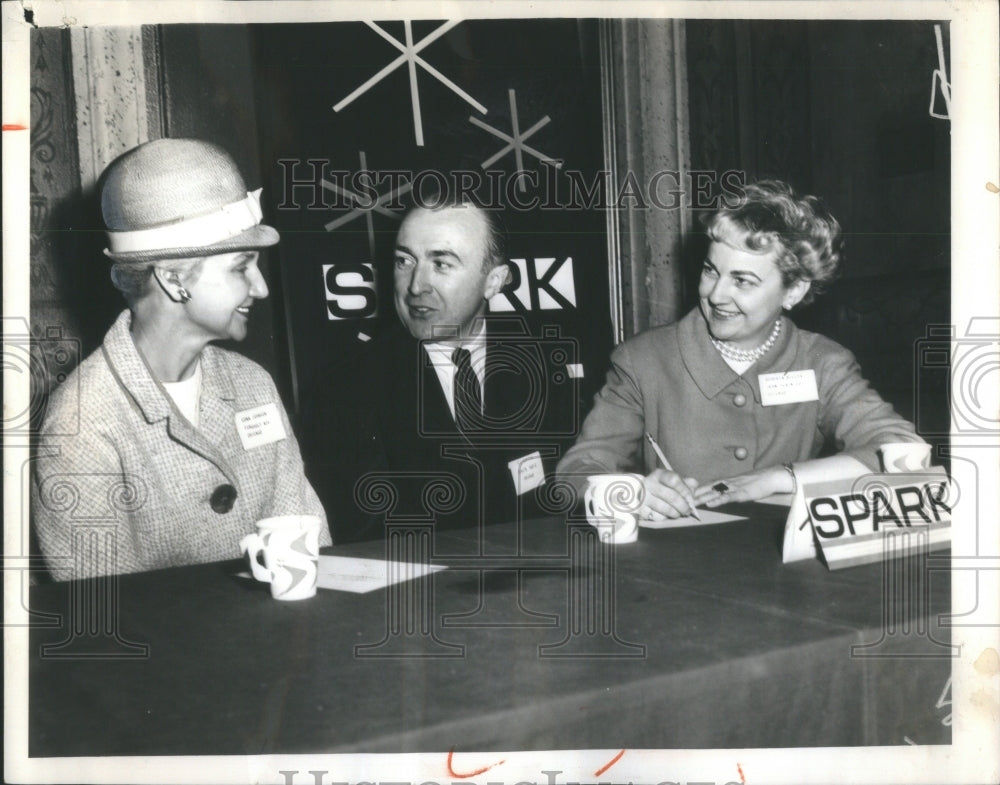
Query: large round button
x: 739, y: 399
x: 223, y: 498
x: 740, y: 453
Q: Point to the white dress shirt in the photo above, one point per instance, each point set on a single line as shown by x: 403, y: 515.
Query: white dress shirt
x: 440, y: 357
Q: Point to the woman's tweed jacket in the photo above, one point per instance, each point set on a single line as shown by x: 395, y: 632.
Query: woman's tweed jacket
x: 124, y: 483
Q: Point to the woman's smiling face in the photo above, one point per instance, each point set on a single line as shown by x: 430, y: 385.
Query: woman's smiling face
x: 222, y: 293
x: 741, y: 293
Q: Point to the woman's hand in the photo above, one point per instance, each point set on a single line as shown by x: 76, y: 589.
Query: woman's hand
x: 668, y: 495
x: 745, y: 487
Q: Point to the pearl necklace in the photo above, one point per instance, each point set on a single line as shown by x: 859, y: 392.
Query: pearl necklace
x: 748, y: 355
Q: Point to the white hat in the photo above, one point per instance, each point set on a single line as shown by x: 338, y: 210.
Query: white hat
x: 177, y: 198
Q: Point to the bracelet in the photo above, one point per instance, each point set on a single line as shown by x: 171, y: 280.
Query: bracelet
x: 788, y: 468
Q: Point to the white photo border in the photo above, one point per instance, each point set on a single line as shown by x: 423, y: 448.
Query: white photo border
x: 973, y: 756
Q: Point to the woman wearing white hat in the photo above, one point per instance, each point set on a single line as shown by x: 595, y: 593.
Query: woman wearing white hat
x: 181, y: 446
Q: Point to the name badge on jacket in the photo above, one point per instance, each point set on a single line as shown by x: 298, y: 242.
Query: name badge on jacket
x: 790, y: 387
x: 260, y: 425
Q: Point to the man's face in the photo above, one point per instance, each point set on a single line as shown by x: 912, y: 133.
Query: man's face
x: 441, y: 287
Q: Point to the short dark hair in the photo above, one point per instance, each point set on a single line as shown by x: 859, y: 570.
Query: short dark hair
x: 496, y: 231
x: 771, y: 216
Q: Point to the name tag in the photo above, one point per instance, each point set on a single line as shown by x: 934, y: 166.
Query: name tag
x: 791, y: 387
x: 260, y: 425
x: 527, y: 472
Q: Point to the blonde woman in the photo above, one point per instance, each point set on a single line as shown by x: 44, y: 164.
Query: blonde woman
x: 734, y: 393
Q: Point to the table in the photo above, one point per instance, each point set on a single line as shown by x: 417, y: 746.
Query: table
x: 688, y: 638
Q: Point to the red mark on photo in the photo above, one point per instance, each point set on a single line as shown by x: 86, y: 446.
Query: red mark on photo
x: 609, y: 764
x: 467, y: 774
x: 740, y: 770
x: 13, y: 127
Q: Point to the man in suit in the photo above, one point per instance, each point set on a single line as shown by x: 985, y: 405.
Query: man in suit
x: 451, y: 415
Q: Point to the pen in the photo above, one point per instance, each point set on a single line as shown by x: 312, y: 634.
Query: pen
x: 666, y: 465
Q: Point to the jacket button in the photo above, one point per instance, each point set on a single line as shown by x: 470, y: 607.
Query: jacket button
x: 740, y: 453
x: 223, y: 498
x: 739, y: 399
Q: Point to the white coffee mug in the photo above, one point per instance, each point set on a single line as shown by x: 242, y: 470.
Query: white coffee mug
x: 898, y: 457
x: 611, y: 501
x: 289, y: 547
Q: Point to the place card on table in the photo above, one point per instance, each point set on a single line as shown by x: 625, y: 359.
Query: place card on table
x: 799, y: 543
x: 848, y: 519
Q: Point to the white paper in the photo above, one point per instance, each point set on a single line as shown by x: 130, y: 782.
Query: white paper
x: 707, y: 517
x: 344, y: 573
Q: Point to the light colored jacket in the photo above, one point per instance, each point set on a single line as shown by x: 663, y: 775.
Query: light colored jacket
x: 136, y: 487
x: 710, y: 421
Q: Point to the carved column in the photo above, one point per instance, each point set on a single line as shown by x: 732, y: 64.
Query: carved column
x: 646, y: 132
x: 115, y: 80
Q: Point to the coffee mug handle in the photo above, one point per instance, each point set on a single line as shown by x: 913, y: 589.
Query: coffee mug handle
x: 588, y: 500
x: 252, y: 545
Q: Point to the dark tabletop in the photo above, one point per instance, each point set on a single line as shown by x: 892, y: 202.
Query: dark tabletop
x: 535, y: 637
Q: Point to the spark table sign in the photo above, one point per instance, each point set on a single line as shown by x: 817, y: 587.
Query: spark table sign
x: 853, y: 520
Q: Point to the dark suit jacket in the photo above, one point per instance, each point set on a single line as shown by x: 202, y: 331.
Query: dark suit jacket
x: 380, y: 444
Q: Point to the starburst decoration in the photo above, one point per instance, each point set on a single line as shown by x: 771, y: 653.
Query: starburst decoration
x: 365, y: 206
x: 410, y: 54
x: 515, y: 141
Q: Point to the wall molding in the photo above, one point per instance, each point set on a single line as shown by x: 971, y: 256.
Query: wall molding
x: 646, y: 128
x: 110, y: 67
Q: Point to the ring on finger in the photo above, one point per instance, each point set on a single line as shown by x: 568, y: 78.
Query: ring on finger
x: 721, y: 487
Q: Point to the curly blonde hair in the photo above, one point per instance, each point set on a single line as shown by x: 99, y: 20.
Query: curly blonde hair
x: 771, y: 216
